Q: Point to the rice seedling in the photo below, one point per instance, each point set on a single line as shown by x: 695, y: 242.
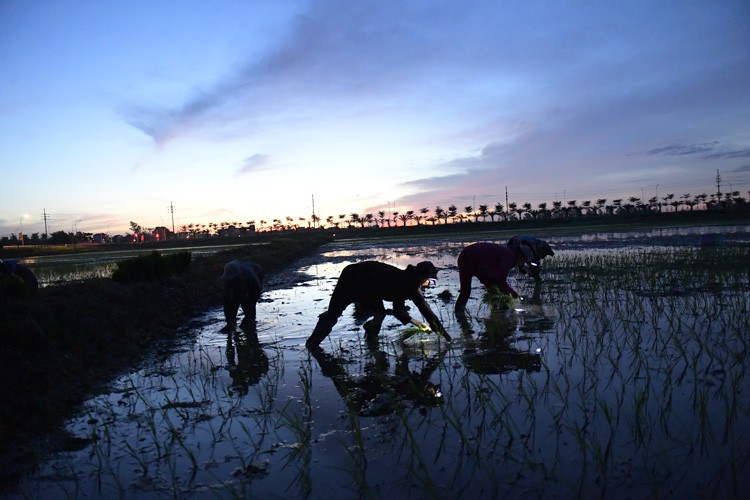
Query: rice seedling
x: 624, y: 374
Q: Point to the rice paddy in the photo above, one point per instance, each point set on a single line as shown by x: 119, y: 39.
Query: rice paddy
x: 625, y: 373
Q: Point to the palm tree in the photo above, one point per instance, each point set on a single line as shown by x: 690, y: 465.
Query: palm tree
x: 685, y: 198
x: 452, y: 212
x: 701, y: 198
x: 587, y: 205
x: 381, y: 216
x: 668, y: 198
x: 513, y: 210
x: 469, y: 211
x: 440, y: 213
x: 492, y: 213
x: 527, y: 212
x: 500, y: 210
x: 484, y: 212
x: 616, y: 205
x: 556, y: 208
x: 424, y: 211
x: 573, y: 208
x: 634, y: 203
x: 600, y: 204
x: 353, y: 218
x: 407, y: 216
x: 543, y: 212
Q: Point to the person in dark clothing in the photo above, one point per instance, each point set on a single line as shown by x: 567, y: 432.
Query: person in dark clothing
x: 541, y: 250
x: 490, y: 263
x: 243, y: 284
x: 370, y: 283
x: 11, y: 269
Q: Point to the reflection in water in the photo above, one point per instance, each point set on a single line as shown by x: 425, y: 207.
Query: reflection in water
x: 642, y: 394
x: 246, y: 361
x: 492, y: 352
x: 377, y: 392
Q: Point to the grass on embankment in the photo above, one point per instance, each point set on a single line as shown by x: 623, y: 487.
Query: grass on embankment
x: 60, y: 345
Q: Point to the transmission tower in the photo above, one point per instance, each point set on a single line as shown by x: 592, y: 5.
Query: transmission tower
x: 171, y: 211
x: 718, y: 185
x: 45, y: 218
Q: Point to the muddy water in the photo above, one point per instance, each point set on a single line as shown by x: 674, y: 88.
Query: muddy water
x: 515, y: 405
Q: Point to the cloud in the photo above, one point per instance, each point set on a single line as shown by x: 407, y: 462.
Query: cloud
x: 740, y: 153
x: 682, y: 149
x: 359, y: 54
x: 254, y: 163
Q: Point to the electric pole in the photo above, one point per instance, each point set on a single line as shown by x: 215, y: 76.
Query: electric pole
x: 507, y: 210
x: 313, y: 211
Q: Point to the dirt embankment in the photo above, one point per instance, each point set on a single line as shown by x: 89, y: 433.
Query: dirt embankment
x: 61, y: 344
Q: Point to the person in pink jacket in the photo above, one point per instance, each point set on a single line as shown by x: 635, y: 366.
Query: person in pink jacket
x: 490, y: 263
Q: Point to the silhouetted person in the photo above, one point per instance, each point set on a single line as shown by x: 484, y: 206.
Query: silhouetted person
x: 490, y: 264
x: 12, y: 270
x: 541, y: 250
x: 370, y: 283
x: 243, y: 284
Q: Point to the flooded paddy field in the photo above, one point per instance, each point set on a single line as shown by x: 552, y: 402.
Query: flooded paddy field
x: 55, y: 269
x: 625, y: 373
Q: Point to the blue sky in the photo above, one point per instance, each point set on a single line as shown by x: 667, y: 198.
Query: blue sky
x: 245, y: 110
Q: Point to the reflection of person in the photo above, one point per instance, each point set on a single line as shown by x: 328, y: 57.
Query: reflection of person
x: 377, y: 392
x: 243, y: 284
x: 370, y: 283
x: 247, y: 362
x: 490, y: 263
x: 540, y: 248
x: 492, y: 353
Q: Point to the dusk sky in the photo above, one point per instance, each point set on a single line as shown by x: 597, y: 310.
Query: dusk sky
x: 245, y: 110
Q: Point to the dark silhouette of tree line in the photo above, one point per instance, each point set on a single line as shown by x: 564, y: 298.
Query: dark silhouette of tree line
x: 570, y: 209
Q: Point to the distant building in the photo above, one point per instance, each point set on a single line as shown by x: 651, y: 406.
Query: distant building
x: 235, y: 232
x: 102, y: 238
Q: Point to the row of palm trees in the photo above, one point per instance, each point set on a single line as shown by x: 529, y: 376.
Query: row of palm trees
x: 498, y: 212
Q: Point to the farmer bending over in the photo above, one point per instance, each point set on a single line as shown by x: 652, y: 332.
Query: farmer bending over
x: 490, y: 263
x: 541, y: 250
x: 369, y: 283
